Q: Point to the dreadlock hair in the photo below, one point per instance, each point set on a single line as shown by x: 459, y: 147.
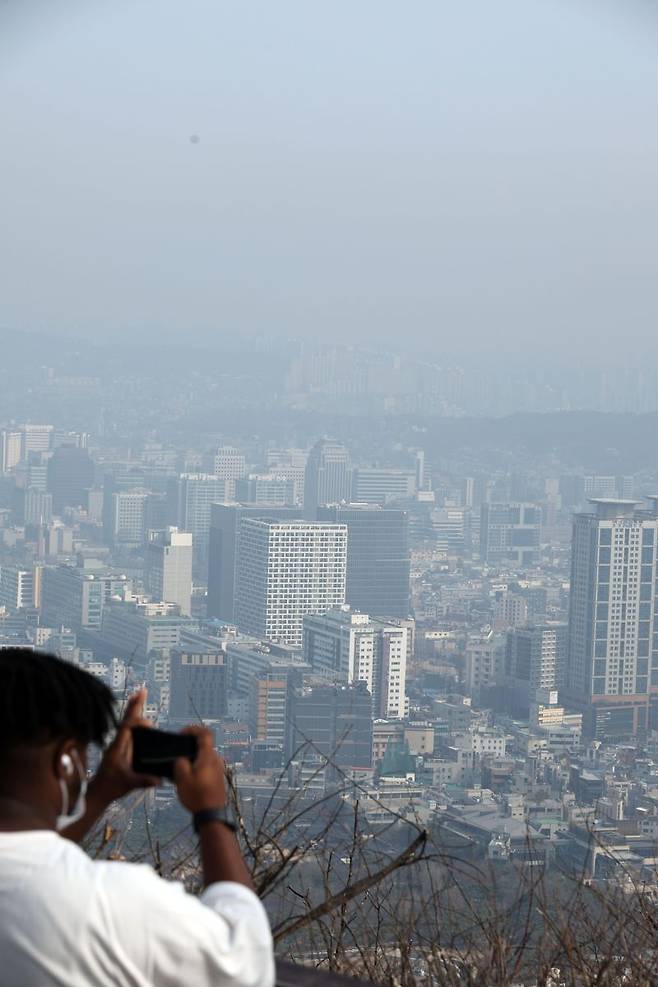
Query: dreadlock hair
x: 43, y: 698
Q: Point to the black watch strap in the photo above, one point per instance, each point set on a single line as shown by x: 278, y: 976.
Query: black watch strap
x: 204, y: 816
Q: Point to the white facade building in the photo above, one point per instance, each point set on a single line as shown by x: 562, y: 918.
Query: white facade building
x: 168, y: 568
x: 285, y: 570
x: 229, y: 464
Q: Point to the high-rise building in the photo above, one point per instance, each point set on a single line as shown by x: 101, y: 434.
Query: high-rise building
x: 70, y: 475
x: 328, y: 477
x: 198, y: 686
x: 11, y: 447
x: 36, y: 438
x: 483, y: 663
x: 334, y: 722
x: 344, y: 646
x: 612, y: 661
x: 19, y: 588
x: 510, y: 533
x: 379, y: 486
x: 265, y: 488
x: 270, y: 708
x: 36, y: 507
x: 127, y: 517
x: 535, y: 661
x: 284, y: 571
x: 224, y: 548
x: 229, y: 464
x: 190, y: 497
x: 247, y: 657
x: 291, y: 465
x: 136, y: 629
x: 378, y: 565
x: 76, y: 596
x: 451, y: 527
x: 168, y: 568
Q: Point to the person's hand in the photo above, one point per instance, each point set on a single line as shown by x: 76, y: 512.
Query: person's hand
x: 201, y: 784
x: 115, y: 776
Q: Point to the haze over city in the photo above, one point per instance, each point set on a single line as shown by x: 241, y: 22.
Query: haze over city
x: 474, y: 178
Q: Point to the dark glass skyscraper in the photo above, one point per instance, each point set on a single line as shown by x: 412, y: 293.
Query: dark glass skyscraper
x: 70, y: 474
x: 377, y: 558
x: 328, y: 478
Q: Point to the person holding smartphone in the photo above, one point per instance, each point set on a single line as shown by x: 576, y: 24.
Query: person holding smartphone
x: 66, y: 919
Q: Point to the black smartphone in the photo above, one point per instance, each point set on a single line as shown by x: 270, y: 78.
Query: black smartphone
x: 154, y: 751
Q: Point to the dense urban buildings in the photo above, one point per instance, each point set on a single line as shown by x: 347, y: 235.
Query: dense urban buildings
x: 460, y: 636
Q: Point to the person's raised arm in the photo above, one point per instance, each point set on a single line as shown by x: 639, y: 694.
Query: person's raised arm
x: 201, y: 785
x: 115, y: 776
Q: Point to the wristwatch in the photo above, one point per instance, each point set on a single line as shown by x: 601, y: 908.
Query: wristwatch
x: 223, y: 815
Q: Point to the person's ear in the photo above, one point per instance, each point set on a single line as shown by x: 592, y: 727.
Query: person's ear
x: 64, y: 765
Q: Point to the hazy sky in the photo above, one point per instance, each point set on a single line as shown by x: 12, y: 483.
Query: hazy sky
x: 458, y: 173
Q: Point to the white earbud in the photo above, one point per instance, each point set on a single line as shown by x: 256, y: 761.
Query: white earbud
x: 67, y: 763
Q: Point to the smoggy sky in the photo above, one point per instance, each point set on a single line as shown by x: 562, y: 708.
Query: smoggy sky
x: 455, y: 174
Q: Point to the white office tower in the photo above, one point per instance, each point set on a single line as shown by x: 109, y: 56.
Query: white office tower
x: 284, y: 571
x: 11, y: 445
x: 229, y: 464
x: 612, y: 655
x: 168, y: 568
x: 328, y: 477
x: 344, y: 645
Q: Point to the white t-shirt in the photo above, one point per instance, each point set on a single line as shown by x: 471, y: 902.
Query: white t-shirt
x: 71, y: 921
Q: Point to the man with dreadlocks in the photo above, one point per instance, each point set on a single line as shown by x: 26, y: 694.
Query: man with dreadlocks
x: 66, y: 919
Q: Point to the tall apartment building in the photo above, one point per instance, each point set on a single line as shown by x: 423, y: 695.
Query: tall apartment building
x: 510, y: 533
x: 535, y: 661
x: 284, y: 571
x: 343, y: 646
x: 378, y: 562
x: 168, y: 568
x: 328, y: 477
x: 378, y: 486
x: 190, y: 497
x: 483, y: 663
x: 224, y: 550
x: 612, y: 662
x: 229, y: 464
